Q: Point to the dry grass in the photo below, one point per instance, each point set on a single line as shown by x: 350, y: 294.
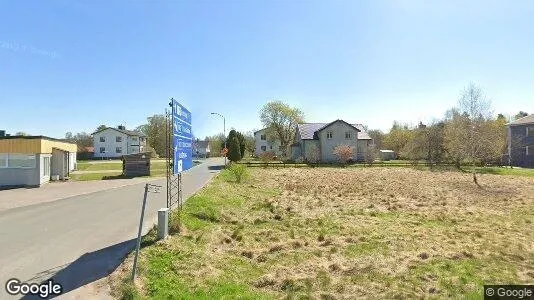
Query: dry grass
x: 345, y: 233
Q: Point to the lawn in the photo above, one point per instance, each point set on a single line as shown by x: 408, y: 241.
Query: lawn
x: 114, y: 165
x: 342, y: 233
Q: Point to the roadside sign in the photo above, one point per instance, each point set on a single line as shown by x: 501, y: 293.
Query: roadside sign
x: 182, y: 138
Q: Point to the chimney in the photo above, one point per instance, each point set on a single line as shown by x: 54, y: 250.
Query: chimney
x: 121, y: 127
x: 2, y: 133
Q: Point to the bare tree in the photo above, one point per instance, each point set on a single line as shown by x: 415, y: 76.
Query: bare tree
x: 472, y: 134
x: 344, y: 153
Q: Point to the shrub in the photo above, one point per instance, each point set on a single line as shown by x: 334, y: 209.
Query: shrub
x: 267, y: 156
x: 299, y: 160
x: 234, y: 153
x: 239, y: 171
x: 343, y: 153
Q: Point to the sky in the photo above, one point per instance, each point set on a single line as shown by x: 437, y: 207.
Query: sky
x: 69, y: 66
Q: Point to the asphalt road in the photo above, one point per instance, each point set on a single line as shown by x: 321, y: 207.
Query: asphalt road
x: 80, y: 239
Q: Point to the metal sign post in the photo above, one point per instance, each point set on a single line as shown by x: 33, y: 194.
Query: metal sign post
x: 155, y: 189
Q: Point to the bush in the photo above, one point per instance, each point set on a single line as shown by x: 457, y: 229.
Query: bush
x: 234, y: 153
x: 267, y: 156
x: 343, y: 153
x: 239, y: 171
x: 299, y: 160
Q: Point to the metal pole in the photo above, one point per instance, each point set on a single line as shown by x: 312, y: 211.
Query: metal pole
x: 134, y: 271
x: 224, y: 130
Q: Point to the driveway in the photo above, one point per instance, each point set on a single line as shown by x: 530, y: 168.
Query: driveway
x: 81, y: 239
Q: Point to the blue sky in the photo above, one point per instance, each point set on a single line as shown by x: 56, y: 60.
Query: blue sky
x: 70, y: 65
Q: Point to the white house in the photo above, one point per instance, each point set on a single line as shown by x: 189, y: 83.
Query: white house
x: 114, y: 142
x: 201, y: 149
x: 263, y: 144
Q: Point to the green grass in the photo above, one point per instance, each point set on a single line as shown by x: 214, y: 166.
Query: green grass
x: 93, y: 176
x: 86, y: 166
x: 503, y: 171
x: 278, y: 235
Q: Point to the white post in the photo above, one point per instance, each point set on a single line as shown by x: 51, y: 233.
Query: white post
x: 163, y: 223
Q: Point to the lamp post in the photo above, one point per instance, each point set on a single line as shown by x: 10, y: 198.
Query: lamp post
x: 224, y: 132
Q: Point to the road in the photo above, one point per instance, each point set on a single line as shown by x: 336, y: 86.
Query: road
x: 83, y: 238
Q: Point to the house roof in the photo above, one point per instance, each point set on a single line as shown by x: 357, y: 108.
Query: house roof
x: 524, y: 120
x: 201, y: 144
x: 308, y: 130
x: 127, y: 132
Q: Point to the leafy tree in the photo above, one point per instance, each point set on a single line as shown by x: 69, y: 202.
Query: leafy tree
x: 377, y: 136
x: 250, y: 142
x: 398, y: 137
x: 426, y: 143
x: 216, y: 143
x: 101, y: 127
x: 281, y: 122
x: 21, y: 133
x: 520, y: 115
x: 234, y: 154
x: 155, y: 129
x: 82, y: 140
x: 344, y: 153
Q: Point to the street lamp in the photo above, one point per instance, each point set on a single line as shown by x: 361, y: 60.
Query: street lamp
x: 224, y: 131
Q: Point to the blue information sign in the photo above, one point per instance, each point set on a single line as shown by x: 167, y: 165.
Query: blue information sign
x: 182, y: 138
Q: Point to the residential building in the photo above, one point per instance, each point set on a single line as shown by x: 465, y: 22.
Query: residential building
x: 264, y: 144
x: 115, y: 142
x: 201, y: 149
x: 34, y: 160
x: 521, y: 142
x: 316, y: 141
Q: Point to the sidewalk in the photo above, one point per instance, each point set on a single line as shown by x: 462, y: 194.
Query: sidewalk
x: 53, y: 191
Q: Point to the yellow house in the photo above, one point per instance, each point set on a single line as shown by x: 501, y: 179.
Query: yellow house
x: 34, y: 160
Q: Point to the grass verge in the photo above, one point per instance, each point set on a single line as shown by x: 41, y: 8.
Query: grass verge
x: 344, y: 233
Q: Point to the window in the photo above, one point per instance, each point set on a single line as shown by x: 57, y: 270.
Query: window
x: 3, y: 160
x: 15, y: 160
x: 118, y: 139
x: 118, y: 150
x: 530, y: 131
x: 271, y: 147
x: 329, y: 135
x: 348, y: 135
x: 102, y: 139
x: 46, y: 166
x: 102, y: 149
x: 263, y: 137
x: 529, y: 150
x: 134, y: 139
x: 263, y: 148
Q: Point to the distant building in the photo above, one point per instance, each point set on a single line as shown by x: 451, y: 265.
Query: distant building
x: 263, y: 144
x: 386, y: 155
x: 320, y: 139
x: 521, y: 142
x: 115, y: 142
x: 201, y: 149
x: 34, y: 160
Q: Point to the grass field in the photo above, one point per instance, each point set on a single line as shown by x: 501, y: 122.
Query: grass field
x: 342, y: 233
x: 115, y: 165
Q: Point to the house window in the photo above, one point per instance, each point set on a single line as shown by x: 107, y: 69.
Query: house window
x: 329, y: 135
x: 134, y: 139
x: 263, y: 148
x: 348, y: 135
x: 529, y: 150
x: 20, y: 161
x: 102, y: 149
x: 271, y: 147
x: 3, y: 160
x: 46, y: 166
x: 118, y: 139
x: 118, y: 150
x: 530, y: 131
x: 102, y: 139
x: 263, y: 137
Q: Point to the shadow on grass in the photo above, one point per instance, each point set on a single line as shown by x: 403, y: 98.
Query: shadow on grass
x: 89, y: 267
x: 121, y: 176
x: 216, y: 168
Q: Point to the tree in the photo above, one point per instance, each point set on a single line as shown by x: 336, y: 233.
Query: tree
x: 312, y: 155
x: 377, y: 137
x: 473, y: 135
x: 21, y: 133
x: 234, y: 153
x: 426, y: 143
x: 281, y: 122
x: 216, y: 143
x: 520, y: 115
x: 370, y: 154
x: 155, y: 129
x: 101, y: 127
x: 344, y: 153
x: 250, y: 142
x: 398, y: 137
x: 82, y: 140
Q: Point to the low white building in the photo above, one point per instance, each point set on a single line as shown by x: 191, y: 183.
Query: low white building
x: 115, y: 142
x: 263, y: 144
x: 201, y: 149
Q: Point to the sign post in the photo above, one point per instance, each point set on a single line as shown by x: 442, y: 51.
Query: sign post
x: 182, y: 138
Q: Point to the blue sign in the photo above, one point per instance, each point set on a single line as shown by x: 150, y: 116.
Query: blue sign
x: 182, y: 138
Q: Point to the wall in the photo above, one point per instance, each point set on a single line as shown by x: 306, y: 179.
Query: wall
x: 518, y: 143
x: 269, y: 146
x: 110, y: 143
x: 21, y: 176
x: 338, y: 130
